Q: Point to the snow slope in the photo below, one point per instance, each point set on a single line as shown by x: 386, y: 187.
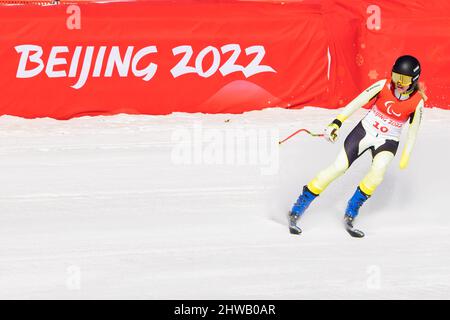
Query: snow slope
x: 105, y: 207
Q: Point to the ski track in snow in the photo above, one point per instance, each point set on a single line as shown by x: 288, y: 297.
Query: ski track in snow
x: 95, y: 207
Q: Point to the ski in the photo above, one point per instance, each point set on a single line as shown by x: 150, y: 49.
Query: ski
x: 355, y: 233
x: 293, y: 227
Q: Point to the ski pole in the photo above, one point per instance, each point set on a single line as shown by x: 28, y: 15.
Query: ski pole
x: 302, y: 130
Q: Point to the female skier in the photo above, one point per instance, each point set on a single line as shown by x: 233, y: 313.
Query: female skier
x: 394, y: 102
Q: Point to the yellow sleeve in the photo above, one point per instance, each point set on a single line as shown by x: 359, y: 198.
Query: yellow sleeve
x: 412, y: 134
x: 361, y: 100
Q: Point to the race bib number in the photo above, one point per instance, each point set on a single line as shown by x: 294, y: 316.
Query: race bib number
x: 379, y: 123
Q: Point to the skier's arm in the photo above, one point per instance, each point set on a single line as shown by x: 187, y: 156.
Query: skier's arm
x: 412, y: 134
x: 332, y: 130
x: 361, y: 100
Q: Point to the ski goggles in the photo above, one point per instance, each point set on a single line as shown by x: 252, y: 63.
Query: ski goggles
x: 401, y: 79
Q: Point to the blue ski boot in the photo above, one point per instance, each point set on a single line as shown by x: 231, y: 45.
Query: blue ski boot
x: 303, y: 202
x: 354, y: 204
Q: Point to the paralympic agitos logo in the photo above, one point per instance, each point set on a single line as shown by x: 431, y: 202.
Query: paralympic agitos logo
x: 90, y: 61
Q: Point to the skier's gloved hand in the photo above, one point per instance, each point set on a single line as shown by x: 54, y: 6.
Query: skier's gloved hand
x: 332, y: 131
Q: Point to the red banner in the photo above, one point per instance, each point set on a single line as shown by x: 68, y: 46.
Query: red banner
x: 366, y: 36
x: 153, y: 57
x: 161, y: 57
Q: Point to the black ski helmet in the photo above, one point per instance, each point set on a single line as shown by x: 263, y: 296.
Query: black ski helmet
x: 407, y: 66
